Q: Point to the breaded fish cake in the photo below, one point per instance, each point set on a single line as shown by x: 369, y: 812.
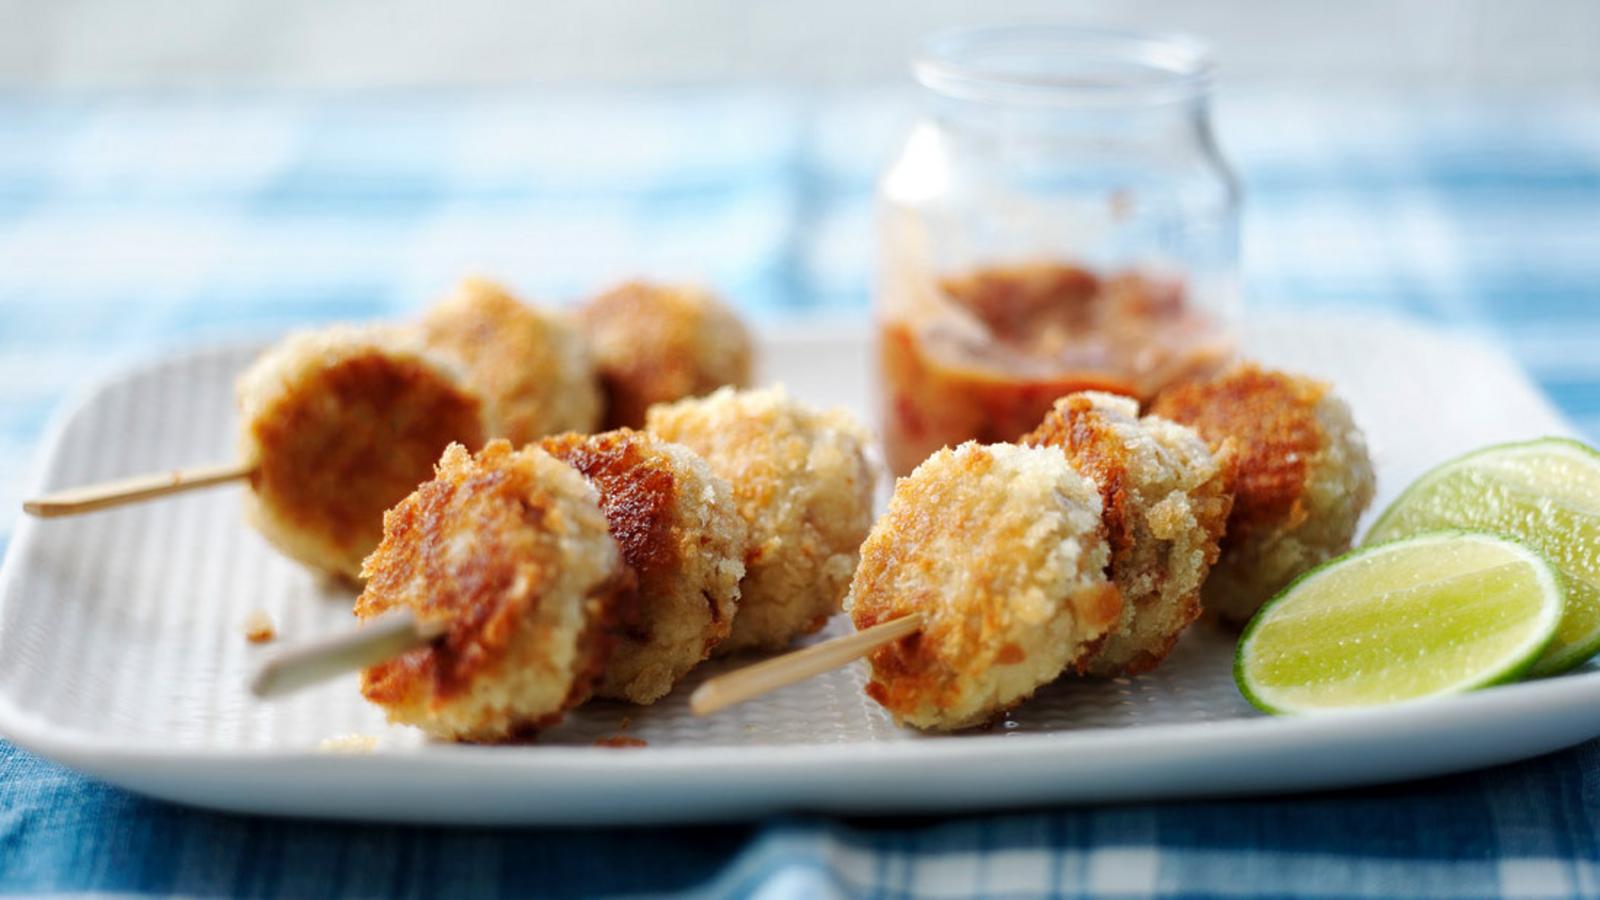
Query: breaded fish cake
x: 802, y: 482
x: 341, y: 424
x: 1165, y: 499
x: 681, y: 533
x: 1002, y: 551
x: 509, y: 548
x: 531, y: 367
x: 656, y: 343
x: 1304, y: 478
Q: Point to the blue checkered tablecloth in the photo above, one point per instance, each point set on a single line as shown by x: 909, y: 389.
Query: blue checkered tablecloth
x: 129, y: 224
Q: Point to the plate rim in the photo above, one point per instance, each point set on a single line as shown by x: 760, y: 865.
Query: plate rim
x: 1501, y: 701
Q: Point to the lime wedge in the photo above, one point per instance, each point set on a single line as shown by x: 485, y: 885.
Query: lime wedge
x: 1430, y: 615
x: 1545, y: 494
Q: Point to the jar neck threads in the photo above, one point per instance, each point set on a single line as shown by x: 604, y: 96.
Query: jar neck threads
x: 1058, y: 69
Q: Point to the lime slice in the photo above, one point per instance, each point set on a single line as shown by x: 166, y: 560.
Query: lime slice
x: 1430, y: 615
x: 1545, y: 494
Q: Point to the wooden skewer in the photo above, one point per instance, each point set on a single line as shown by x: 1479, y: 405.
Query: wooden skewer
x: 319, y: 660
x: 764, y: 677
x: 89, y: 498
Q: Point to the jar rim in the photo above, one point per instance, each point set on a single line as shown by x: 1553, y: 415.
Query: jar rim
x: 1063, y: 65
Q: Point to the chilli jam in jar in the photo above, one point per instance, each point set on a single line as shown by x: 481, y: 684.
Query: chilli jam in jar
x: 1060, y: 220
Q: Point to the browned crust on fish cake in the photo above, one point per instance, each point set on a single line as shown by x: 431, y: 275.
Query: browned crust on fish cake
x: 803, y: 484
x: 637, y: 492
x: 1165, y: 501
x: 487, y: 547
x: 1272, y: 418
x: 1077, y: 427
x: 681, y: 533
x: 346, y: 441
x: 531, y: 367
x: 960, y: 544
x: 657, y: 344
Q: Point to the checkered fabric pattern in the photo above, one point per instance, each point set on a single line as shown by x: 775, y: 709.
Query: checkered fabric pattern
x: 129, y: 225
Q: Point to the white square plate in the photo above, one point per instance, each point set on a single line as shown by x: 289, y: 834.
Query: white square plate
x: 121, y: 651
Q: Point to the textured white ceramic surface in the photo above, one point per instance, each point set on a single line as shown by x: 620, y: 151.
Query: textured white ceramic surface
x: 121, y: 647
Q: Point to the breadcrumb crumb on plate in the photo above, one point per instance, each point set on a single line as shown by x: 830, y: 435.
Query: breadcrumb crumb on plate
x: 259, y: 627
x: 349, y: 743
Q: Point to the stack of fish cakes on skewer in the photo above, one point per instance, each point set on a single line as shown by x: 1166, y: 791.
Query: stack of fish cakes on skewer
x: 1090, y: 547
x: 341, y: 426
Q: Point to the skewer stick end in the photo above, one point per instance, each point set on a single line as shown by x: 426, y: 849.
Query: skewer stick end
x: 704, y: 700
x: 89, y: 498
x: 317, y: 661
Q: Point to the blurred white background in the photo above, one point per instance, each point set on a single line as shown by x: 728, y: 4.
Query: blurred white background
x: 352, y: 44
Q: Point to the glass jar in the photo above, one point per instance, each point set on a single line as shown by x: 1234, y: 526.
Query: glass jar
x: 1060, y: 219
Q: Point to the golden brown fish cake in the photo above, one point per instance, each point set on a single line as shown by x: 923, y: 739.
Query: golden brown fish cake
x: 1001, y: 549
x: 681, y: 533
x: 1304, y: 478
x: 802, y: 483
x: 341, y: 424
x: 656, y: 343
x: 509, y: 548
x: 531, y: 367
x: 1165, y: 500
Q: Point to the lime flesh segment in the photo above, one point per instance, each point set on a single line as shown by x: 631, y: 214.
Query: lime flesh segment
x: 1545, y: 494
x: 1431, y: 615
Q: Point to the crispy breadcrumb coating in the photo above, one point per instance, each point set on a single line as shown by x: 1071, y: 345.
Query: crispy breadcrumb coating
x: 680, y: 531
x: 509, y: 548
x: 531, y: 367
x: 803, y: 484
x: 1165, y: 500
x: 259, y: 627
x: 1304, y: 478
x: 341, y: 424
x: 1001, y: 549
x: 658, y: 343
